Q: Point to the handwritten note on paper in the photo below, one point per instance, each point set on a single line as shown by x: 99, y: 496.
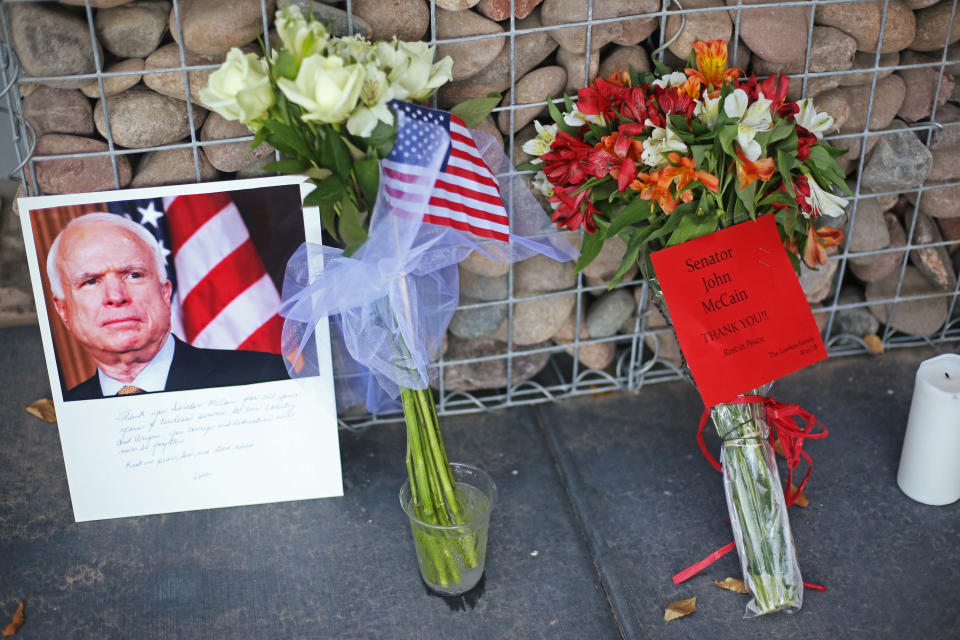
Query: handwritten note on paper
x: 741, y: 317
x: 159, y: 453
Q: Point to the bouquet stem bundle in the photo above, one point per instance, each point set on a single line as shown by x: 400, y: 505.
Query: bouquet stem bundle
x: 758, y: 512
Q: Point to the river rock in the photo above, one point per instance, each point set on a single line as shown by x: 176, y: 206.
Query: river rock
x: 477, y: 322
x: 660, y: 338
x: 939, y: 201
x: 96, y: 4
x: 922, y: 87
x: 607, y: 262
x: 912, y: 317
x: 575, y: 64
x: 857, y: 321
x: 624, y: 58
x: 830, y: 50
x: 629, y: 32
x: 536, y: 318
x: 702, y: 25
x: 950, y: 229
x: 172, y: 166
x: 608, y: 313
x: 899, y: 162
x: 946, y: 164
x: 171, y: 83
x: 230, y: 156
x: 933, y: 262
x: 489, y: 374
x: 863, y: 60
x: 334, y: 19
x: 142, y: 118
x: 530, y: 49
x: 469, y: 58
x: 51, y: 110
x: 133, y: 30
x: 949, y: 116
x: 213, y: 27
x: 533, y: 87
x: 482, y: 265
x: 490, y: 145
x: 51, y: 41
x: 482, y: 288
x: 834, y: 104
x: 818, y: 283
x: 890, y: 92
x: 862, y: 21
x: 131, y: 69
x: 500, y: 9
x: 868, y: 232
x: 405, y: 19
x: 880, y: 265
x: 455, y: 5
x: 592, y: 355
x: 777, y: 34
x: 76, y: 175
x: 541, y: 273
x: 933, y: 24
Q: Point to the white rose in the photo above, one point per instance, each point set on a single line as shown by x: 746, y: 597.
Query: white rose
x: 374, y: 95
x: 240, y: 89
x: 413, y: 75
x: 300, y: 37
x: 326, y: 89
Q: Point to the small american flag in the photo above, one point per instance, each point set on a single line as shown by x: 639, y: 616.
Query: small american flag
x: 466, y: 196
x: 226, y: 298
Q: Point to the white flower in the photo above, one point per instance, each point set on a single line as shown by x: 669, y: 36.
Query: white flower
x: 577, y: 119
x: 708, y: 110
x: 325, y: 88
x: 240, y: 89
x: 824, y: 203
x: 660, y: 143
x: 674, y: 79
x: 374, y: 95
x: 353, y: 49
x: 541, y: 184
x: 413, y: 74
x: 300, y: 37
x: 811, y: 119
x: 754, y: 117
x: 541, y: 144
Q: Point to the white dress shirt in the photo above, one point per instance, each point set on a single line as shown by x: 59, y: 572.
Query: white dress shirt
x: 152, y: 378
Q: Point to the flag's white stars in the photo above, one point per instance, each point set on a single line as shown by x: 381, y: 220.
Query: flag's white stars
x: 150, y: 215
x: 163, y: 249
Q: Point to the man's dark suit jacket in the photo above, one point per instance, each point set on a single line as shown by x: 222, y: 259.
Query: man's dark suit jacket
x: 194, y: 368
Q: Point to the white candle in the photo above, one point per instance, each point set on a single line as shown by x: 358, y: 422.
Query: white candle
x: 930, y: 460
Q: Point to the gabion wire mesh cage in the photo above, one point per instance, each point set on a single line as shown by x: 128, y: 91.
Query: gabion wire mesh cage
x: 892, y: 284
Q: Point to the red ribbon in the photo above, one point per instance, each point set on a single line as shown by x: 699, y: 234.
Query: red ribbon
x: 696, y: 568
x: 785, y: 429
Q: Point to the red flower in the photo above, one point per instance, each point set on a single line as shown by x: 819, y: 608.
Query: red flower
x: 601, y: 98
x: 616, y: 155
x: 672, y: 100
x: 805, y: 140
x: 800, y: 187
x: 562, y: 165
x: 634, y: 106
x: 575, y: 209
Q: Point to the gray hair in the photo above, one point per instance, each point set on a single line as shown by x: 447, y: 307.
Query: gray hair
x: 56, y: 284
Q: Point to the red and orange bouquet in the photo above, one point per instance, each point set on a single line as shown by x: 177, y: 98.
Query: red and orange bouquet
x: 662, y: 158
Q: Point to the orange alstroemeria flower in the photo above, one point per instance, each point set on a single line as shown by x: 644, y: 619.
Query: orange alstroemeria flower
x: 684, y: 172
x: 747, y: 171
x: 620, y: 78
x: 653, y: 188
x: 818, y: 241
x: 711, y: 64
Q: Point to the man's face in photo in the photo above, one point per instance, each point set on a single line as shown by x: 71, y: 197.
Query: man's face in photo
x: 113, y: 302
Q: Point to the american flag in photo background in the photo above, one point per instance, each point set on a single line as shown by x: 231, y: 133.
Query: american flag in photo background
x: 223, y: 296
x: 466, y: 196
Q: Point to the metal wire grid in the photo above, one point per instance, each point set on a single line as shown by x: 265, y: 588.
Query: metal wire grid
x: 635, y: 365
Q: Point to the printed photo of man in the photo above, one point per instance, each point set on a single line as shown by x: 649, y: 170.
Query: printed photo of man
x: 110, y: 289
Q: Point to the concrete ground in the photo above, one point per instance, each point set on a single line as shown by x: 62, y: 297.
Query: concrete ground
x: 602, y: 500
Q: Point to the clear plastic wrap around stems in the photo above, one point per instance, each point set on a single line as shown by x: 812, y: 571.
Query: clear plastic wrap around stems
x: 758, y: 511
x: 755, y: 502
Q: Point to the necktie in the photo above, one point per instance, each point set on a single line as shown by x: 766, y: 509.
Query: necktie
x: 129, y: 390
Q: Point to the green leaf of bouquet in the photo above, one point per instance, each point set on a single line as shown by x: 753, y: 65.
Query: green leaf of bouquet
x: 330, y: 190
x: 692, y: 226
x: 726, y: 137
x: 287, y: 165
x: 672, y: 222
x: 383, y: 137
x: 328, y: 217
x: 350, y: 225
x: 777, y: 197
x: 606, y: 188
x: 746, y: 197
x: 661, y: 68
x: 336, y: 155
x: 259, y: 137
x: 787, y: 219
x: 589, y: 249
x: 781, y: 131
x: 634, y: 244
x: 557, y: 118
x: 474, y: 110
x: 637, y: 211
x: 827, y: 167
x: 529, y: 166
x: 785, y: 161
x: 286, y: 65
x: 286, y: 139
x: 368, y: 177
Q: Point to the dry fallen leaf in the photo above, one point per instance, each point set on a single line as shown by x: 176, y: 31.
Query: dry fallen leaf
x: 680, y: 608
x: 874, y: 343
x: 801, y: 500
x: 779, y: 449
x: 43, y: 409
x: 732, y: 584
x: 15, y: 623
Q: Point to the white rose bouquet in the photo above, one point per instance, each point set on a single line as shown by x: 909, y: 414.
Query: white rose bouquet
x: 323, y: 103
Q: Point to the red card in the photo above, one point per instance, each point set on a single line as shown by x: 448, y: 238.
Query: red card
x: 741, y: 318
